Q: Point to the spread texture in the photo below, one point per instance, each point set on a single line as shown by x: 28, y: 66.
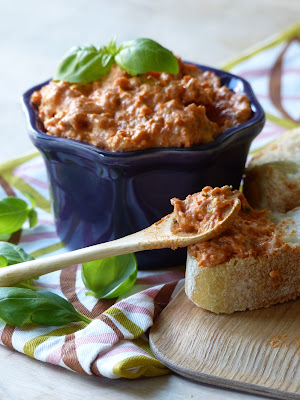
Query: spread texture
x: 125, y: 113
x: 251, y: 234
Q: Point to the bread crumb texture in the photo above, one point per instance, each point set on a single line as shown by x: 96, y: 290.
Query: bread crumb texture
x: 244, y: 284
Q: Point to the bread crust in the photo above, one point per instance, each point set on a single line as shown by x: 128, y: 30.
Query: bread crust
x: 285, y: 147
x: 272, y: 179
x: 274, y: 185
x: 245, y: 284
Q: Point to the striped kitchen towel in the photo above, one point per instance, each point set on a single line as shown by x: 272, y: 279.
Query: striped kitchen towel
x: 116, y: 344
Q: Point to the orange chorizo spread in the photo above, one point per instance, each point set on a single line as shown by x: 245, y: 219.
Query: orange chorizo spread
x: 125, y: 113
x: 251, y: 234
x: 203, y: 211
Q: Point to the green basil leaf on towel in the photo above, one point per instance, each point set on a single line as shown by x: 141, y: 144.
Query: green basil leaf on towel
x: 19, y: 306
x: 3, y: 261
x: 12, y: 254
x: 32, y: 214
x: 13, y: 213
x: 110, y: 277
x: 33, y: 218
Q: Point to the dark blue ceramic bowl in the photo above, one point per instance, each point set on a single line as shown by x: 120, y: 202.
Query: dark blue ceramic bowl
x: 100, y: 195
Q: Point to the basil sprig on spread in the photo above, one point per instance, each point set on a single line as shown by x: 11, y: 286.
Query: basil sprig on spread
x: 88, y: 63
x: 85, y: 64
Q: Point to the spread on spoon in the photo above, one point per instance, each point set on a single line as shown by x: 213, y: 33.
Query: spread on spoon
x: 251, y: 234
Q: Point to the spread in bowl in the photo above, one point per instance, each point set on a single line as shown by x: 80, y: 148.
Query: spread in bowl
x: 155, y: 109
x: 100, y: 195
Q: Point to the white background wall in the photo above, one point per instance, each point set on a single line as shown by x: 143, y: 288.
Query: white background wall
x: 34, y: 34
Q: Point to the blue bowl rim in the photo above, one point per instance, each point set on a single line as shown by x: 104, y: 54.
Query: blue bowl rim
x: 257, y: 118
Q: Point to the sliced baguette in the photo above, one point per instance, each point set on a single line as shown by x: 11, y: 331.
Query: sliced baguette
x: 273, y: 185
x: 272, y: 178
x: 250, y: 283
x: 285, y: 147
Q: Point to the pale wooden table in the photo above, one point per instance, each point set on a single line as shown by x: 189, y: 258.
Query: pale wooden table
x: 34, y: 35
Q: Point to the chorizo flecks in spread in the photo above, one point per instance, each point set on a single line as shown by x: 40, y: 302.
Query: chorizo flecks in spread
x: 251, y: 234
x: 124, y: 113
x: 203, y: 211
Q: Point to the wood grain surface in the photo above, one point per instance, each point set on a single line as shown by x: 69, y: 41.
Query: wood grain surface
x: 253, y: 351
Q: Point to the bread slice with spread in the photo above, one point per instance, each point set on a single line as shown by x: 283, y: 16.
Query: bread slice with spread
x: 252, y: 282
x: 254, y: 263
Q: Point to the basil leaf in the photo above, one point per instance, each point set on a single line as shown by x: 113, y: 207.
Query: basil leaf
x: 13, y: 214
x: 3, y: 262
x: 85, y: 64
x: 13, y: 253
x: 33, y: 218
x: 63, y: 311
x: 110, y: 277
x: 5, y: 236
x: 111, y: 47
x: 145, y: 55
x: 32, y: 214
x: 19, y: 306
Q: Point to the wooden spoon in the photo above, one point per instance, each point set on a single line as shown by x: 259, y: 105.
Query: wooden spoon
x: 157, y: 236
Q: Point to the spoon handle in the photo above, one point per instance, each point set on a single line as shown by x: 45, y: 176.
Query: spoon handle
x: 156, y: 236
x: 27, y: 270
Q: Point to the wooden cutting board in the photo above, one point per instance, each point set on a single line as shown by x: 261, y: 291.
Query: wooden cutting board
x: 253, y: 351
